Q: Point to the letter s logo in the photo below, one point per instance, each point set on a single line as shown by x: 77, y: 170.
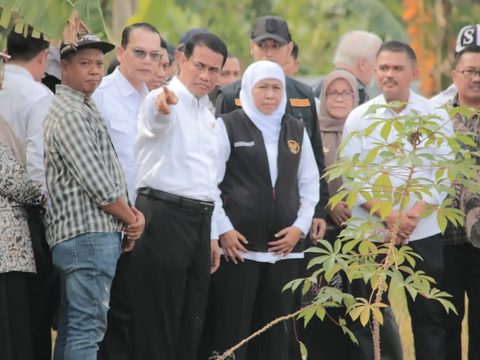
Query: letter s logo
x: 468, y: 37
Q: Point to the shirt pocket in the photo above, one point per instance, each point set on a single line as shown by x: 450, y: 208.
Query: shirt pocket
x: 122, y: 126
x: 123, y: 134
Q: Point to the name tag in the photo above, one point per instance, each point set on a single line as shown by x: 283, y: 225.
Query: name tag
x: 244, y: 143
x: 300, y: 102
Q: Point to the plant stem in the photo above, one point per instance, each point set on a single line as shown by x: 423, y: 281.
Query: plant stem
x: 230, y: 351
x: 391, y: 250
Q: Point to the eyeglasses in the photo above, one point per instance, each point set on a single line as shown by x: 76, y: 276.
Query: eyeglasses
x: 155, y: 56
x: 347, y: 95
x: 470, y: 73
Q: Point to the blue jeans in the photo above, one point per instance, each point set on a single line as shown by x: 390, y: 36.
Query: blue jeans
x: 86, y: 264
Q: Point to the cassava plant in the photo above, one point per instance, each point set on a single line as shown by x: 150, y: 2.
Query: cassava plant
x: 364, y: 240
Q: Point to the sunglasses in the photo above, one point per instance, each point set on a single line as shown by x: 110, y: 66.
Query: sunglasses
x: 141, y: 54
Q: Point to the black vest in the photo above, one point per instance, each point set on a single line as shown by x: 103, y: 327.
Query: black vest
x: 255, y: 209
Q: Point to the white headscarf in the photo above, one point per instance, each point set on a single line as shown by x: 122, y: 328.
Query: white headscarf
x: 269, y: 125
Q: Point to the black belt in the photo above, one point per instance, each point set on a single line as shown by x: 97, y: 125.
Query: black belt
x: 201, y: 206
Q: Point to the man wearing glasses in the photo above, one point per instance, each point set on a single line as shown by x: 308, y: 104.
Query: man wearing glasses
x: 120, y: 94
x: 118, y: 98
x: 462, y: 243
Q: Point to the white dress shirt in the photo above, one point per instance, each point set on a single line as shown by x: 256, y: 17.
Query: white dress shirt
x: 177, y: 153
x: 119, y: 102
x: 24, y: 103
x: 308, y: 189
x: 445, y: 96
x: 356, y: 121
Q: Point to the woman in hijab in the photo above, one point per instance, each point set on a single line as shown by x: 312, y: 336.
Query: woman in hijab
x: 17, y: 262
x: 269, y: 185
x: 339, y: 96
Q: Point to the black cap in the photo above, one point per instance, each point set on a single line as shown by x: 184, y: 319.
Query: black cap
x: 171, y: 52
x: 271, y: 27
x: 189, y: 34
x: 86, y: 41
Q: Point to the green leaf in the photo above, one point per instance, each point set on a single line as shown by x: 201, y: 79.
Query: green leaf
x: 466, y: 140
x: 306, y: 286
x: 355, y: 313
x: 378, y: 315
x: 385, y: 132
x: 372, y: 154
x: 349, y: 245
x: 385, y: 210
x: 365, y: 317
x: 321, y: 312
x: 442, y: 221
x: 308, y: 314
x: 352, y: 199
x: 303, y: 351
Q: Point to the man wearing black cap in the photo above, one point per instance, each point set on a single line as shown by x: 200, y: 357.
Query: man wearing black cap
x: 172, y: 68
x: 271, y: 40
x: 462, y: 243
x: 89, y: 200
x: 184, y: 39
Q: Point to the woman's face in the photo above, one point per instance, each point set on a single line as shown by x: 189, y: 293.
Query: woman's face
x: 267, y: 95
x: 339, y: 99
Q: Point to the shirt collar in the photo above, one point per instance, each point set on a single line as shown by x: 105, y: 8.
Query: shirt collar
x: 19, y: 71
x: 192, y: 99
x: 74, y: 95
x: 126, y: 89
x: 411, y: 103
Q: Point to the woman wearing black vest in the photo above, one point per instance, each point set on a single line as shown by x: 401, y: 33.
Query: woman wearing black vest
x: 269, y: 186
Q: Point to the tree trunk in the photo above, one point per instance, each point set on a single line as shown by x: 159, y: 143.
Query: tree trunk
x: 444, y: 52
x: 121, y: 12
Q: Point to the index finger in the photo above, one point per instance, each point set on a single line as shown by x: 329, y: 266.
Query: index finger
x: 165, y: 90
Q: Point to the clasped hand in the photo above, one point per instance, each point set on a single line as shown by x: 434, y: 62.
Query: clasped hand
x: 133, y: 231
x: 408, y: 224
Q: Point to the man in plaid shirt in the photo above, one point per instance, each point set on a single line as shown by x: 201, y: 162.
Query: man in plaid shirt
x: 89, y: 201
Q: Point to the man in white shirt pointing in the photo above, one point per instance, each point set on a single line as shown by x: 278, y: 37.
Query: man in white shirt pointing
x: 396, y: 69
x: 176, y: 155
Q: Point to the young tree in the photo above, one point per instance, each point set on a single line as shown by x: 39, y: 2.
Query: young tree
x: 364, y: 241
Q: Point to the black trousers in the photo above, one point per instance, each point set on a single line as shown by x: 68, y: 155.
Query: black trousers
x: 117, y: 342
x: 170, y: 280
x: 44, y: 302
x: 16, y: 340
x: 245, y: 297
x: 462, y: 275
x: 426, y: 315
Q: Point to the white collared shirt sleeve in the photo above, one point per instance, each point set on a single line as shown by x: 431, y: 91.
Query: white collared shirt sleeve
x: 308, y: 186
x: 34, y: 140
x: 354, y: 145
x: 151, y: 119
x: 223, y: 144
x: 445, y: 150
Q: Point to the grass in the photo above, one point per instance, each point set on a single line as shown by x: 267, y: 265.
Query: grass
x: 399, y: 306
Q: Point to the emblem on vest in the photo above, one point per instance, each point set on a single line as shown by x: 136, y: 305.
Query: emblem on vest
x: 244, y: 143
x: 293, y: 146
